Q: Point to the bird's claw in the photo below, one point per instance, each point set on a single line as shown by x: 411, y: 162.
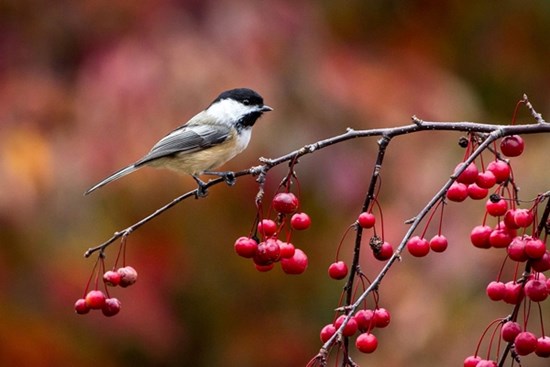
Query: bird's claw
x: 202, y: 190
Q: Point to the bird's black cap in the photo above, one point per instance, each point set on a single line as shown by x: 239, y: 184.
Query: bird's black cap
x: 244, y: 95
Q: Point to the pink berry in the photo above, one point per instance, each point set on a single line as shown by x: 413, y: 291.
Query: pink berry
x: 512, y: 146
x: 285, y: 202
x: 469, y: 175
x: 500, y: 238
x: 477, y: 193
x: 384, y: 252
x: 480, y: 236
x: 128, y: 276
x: 418, y: 247
x: 514, y: 293
x: 471, y: 361
x: 457, y: 192
x: 111, y: 278
x: 366, y: 343
x: 296, y: 264
x: 111, y: 307
x: 338, y: 270
x: 438, y: 243
x: 542, y: 264
x: 95, y: 299
x: 510, y: 330
x: 543, y: 347
x: 245, y: 247
x: 300, y: 221
x: 496, y: 291
x: 536, y: 290
x: 267, y: 227
x: 81, y: 307
x: 500, y: 169
x: 486, y: 179
x: 486, y: 363
x: 525, y: 343
x: 327, y: 332
x: 509, y: 220
x: 366, y: 220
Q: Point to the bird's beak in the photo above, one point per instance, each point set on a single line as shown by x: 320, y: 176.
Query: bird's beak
x: 266, y: 109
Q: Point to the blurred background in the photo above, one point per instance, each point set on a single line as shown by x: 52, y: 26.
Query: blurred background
x: 88, y: 86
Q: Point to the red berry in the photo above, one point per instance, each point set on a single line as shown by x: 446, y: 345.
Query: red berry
x: 111, y: 278
x: 536, y: 290
x: 300, y: 221
x: 469, y: 175
x: 95, y: 299
x: 471, y: 361
x: 285, y: 202
x: 486, y: 363
x: 496, y: 209
x: 516, y: 249
x: 457, y: 192
x: 480, y: 236
x: 438, y: 243
x: 510, y: 330
x: 476, y: 192
x: 268, y: 251
x: 496, y: 291
x: 267, y: 227
x: 418, y: 246
x: 287, y: 249
x: 128, y: 276
x: 245, y: 247
x: 327, y: 332
x: 509, y: 220
x: 365, y: 319
x: 543, y: 347
x: 535, y: 248
x: 297, y: 264
x: 523, y: 217
x: 81, y: 307
x: 338, y: 270
x: 366, y: 343
x: 525, y: 343
x: 366, y: 220
x: 384, y: 252
x: 111, y: 307
x: 512, y: 146
x: 500, y: 169
x: 263, y: 268
x: 381, y: 318
x: 486, y: 179
x: 350, y: 328
x: 500, y: 238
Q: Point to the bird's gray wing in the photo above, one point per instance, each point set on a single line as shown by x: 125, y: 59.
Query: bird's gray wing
x: 188, y: 138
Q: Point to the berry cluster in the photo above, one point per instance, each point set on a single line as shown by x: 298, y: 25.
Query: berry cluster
x: 517, y: 233
x: 265, y: 246
x: 97, y: 299
x: 363, y: 322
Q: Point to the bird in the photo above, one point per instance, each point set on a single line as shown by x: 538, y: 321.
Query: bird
x: 205, y: 142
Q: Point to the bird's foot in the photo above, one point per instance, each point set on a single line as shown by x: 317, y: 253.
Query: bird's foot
x: 228, y: 176
x: 202, y: 190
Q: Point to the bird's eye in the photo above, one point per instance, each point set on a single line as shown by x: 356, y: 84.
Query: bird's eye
x: 246, y: 102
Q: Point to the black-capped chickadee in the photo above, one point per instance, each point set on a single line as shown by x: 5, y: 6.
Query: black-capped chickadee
x: 206, y: 141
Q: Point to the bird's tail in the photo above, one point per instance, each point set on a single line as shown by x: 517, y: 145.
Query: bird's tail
x: 115, y: 176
